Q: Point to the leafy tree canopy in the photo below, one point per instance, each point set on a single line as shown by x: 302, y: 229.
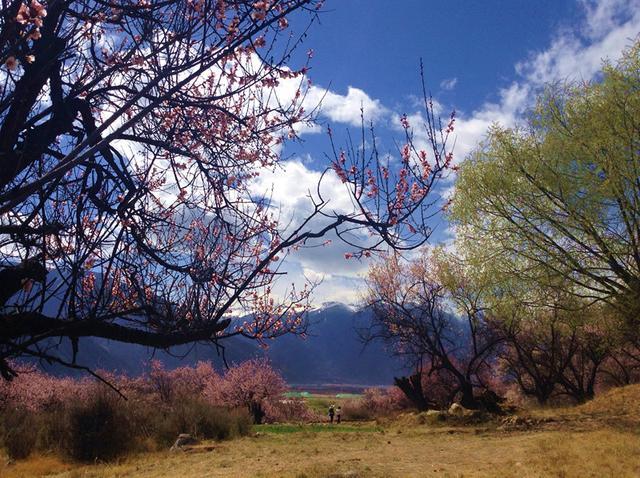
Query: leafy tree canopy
x: 556, y: 201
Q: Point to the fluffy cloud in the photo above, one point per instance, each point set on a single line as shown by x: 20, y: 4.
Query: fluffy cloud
x: 573, y: 54
x: 609, y: 26
x: 293, y: 187
x: 345, y: 108
x: 471, y: 129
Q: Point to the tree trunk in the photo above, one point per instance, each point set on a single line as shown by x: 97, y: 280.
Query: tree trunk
x: 412, y: 388
x: 257, y: 412
x: 468, y: 400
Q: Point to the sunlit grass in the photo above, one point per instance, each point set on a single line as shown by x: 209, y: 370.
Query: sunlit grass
x: 598, y: 439
x: 316, y: 428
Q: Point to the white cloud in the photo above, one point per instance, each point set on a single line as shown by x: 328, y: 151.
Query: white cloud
x: 293, y: 189
x: 608, y: 27
x: 449, y: 83
x: 471, y: 129
x: 347, y: 290
x: 345, y: 108
x: 315, y: 276
x: 292, y: 184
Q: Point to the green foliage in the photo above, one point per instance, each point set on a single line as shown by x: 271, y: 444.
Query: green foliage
x: 556, y: 203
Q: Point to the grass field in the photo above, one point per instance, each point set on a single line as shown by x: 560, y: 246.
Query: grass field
x: 600, y: 439
x: 320, y: 403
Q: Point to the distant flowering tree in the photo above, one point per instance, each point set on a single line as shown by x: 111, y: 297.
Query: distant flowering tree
x: 36, y: 391
x: 382, y: 401
x: 169, y: 385
x: 130, y: 133
x: 252, y: 384
x: 412, y: 312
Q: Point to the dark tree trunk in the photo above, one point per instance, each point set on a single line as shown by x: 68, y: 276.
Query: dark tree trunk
x: 467, y: 400
x: 412, y: 388
x: 257, y: 412
x: 543, y: 391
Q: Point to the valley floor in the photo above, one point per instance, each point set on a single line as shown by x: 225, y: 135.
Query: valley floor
x: 393, y: 452
x: 600, y: 439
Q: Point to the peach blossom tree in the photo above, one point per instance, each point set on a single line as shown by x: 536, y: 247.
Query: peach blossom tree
x: 130, y: 134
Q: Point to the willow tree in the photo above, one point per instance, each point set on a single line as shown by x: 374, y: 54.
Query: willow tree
x: 557, y: 200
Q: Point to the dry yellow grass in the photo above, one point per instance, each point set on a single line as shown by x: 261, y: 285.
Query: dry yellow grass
x: 35, y: 466
x: 599, y: 439
x: 415, y: 451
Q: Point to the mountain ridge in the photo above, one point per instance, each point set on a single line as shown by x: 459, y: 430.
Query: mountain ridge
x: 332, y: 353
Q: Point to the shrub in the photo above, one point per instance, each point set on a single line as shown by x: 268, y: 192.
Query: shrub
x: 243, y: 422
x: 289, y: 410
x: 357, y: 409
x: 200, y: 419
x: 210, y: 422
x: 53, y: 426
x: 99, y: 429
x: 20, y: 433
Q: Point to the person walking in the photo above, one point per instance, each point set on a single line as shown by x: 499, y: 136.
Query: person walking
x: 331, y: 413
x: 338, y: 414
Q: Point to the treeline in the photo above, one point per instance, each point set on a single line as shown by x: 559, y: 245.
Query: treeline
x: 86, y: 420
x: 540, y: 292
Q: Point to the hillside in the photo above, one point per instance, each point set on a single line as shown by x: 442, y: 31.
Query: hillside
x: 618, y: 408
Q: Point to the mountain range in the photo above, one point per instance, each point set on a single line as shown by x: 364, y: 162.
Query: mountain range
x: 331, y: 353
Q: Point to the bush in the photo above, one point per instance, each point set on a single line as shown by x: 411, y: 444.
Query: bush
x: 211, y: 422
x: 243, y: 422
x: 20, y: 433
x: 357, y: 409
x: 99, y: 429
x: 200, y: 419
x: 289, y: 410
x: 53, y: 428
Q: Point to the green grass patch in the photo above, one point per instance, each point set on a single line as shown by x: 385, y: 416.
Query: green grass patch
x: 320, y: 403
x: 282, y: 429
x: 348, y: 395
x: 293, y: 394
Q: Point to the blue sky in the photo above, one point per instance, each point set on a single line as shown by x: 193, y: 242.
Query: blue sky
x: 487, y: 59
x: 376, y: 45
